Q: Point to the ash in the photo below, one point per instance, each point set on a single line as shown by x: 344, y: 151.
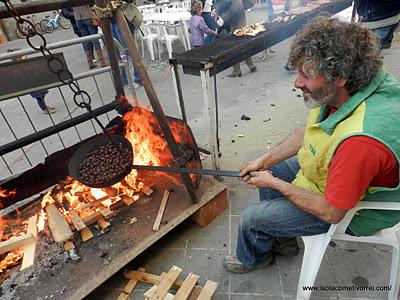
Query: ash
x: 50, y: 256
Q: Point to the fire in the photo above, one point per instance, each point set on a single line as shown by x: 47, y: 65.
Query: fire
x: 149, y: 148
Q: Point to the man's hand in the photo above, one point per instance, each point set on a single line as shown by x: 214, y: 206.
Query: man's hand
x: 254, y: 165
x: 213, y: 13
x: 261, y: 179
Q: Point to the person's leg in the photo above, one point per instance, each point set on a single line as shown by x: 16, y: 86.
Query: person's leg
x: 41, y: 102
x: 236, y: 71
x: 251, y: 65
x: 385, y: 35
x: 262, y: 221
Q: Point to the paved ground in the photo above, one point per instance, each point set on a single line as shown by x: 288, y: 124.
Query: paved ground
x: 275, y: 109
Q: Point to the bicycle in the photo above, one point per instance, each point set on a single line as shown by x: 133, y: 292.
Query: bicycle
x: 49, y: 25
x: 26, y: 29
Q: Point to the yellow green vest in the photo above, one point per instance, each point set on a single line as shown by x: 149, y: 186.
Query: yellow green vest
x: 374, y: 112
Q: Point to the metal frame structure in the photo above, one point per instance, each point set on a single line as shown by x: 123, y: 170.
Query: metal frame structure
x: 104, y: 5
x: 209, y: 60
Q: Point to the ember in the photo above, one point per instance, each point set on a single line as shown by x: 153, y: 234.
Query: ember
x: 81, y: 205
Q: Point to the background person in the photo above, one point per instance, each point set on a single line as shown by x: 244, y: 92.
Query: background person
x: 234, y: 17
x: 348, y: 151
x: 83, y: 16
x: 381, y: 16
x: 197, y: 26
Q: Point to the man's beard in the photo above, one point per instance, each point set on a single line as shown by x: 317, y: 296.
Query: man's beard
x: 321, y: 96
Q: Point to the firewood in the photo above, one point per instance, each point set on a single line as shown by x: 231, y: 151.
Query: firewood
x: 147, y: 190
x: 149, y: 278
x: 111, y: 191
x: 166, y: 283
x: 127, y: 200
x: 104, y: 211
x: 128, y: 289
x: 68, y: 245
x: 208, y: 290
x: 16, y: 242
x: 59, y: 227
x: 93, y: 203
x: 160, y: 214
x: 103, y: 224
x: 92, y: 218
x: 117, y: 204
x: 76, y: 220
x: 86, y: 234
x: 30, y: 249
x: 187, y: 286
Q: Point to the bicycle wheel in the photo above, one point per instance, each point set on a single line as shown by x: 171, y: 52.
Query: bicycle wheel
x: 39, y: 28
x: 19, y: 34
x: 47, y: 26
x: 64, y: 23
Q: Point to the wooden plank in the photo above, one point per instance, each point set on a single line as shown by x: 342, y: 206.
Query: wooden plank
x: 147, y: 190
x: 76, y: 220
x: 93, y: 203
x: 58, y: 225
x: 16, y: 242
x: 86, y: 234
x: 206, y: 214
x: 166, y: 283
x: 160, y: 214
x: 68, y: 245
x: 30, y: 249
x: 149, y: 278
x: 93, y: 218
x: 129, y: 287
x: 196, y: 292
x: 187, y: 286
x: 208, y: 290
x: 103, y: 224
x: 104, y: 211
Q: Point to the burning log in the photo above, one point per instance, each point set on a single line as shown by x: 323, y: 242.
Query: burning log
x: 59, y: 227
x: 104, y: 211
x: 103, y: 224
x: 147, y: 190
x: 16, y: 242
x: 30, y: 249
x: 160, y: 214
x: 86, y: 234
x: 68, y: 245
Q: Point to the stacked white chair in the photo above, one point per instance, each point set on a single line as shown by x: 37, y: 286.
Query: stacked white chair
x: 165, y: 38
x: 315, y: 247
x: 149, y: 37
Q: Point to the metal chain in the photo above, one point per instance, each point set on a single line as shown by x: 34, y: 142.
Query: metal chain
x: 55, y: 64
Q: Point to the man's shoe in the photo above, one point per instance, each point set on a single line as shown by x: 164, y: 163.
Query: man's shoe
x: 232, y: 264
x: 234, y: 74
x: 137, y: 85
x: 286, y: 246
x: 49, y: 110
x: 253, y: 69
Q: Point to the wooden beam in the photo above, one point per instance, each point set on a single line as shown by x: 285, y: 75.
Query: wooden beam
x: 76, y: 220
x: 166, y: 283
x: 16, y: 242
x: 103, y: 224
x: 208, y: 290
x: 129, y: 287
x: 149, y: 278
x: 86, y: 234
x: 68, y: 245
x: 187, y: 287
x: 30, y: 249
x: 59, y: 227
x: 104, y: 211
x: 160, y: 214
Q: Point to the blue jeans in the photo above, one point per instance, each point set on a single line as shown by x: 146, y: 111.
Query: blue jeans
x: 116, y: 32
x: 274, y: 216
x: 86, y: 28
x: 385, y: 35
x: 210, y: 22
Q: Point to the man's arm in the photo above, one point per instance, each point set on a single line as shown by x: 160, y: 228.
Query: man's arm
x: 307, y: 201
x: 286, y: 149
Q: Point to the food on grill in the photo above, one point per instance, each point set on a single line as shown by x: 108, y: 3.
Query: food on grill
x: 250, y: 30
x: 105, y: 163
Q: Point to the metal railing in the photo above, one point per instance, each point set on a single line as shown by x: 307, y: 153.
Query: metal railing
x: 28, y: 136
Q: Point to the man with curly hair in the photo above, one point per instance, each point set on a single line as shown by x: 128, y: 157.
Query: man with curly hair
x: 348, y: 151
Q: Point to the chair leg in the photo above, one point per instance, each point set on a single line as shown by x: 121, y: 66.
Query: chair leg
x: 169, y: 48
x: 151, y: 49
x: 314, y: 250
x: 394, y: 283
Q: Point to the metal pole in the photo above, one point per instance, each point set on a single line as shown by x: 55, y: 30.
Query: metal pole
x: 112, y: 54
x: 177, y: 88
x: 151, y: 94
x: 210, y: 105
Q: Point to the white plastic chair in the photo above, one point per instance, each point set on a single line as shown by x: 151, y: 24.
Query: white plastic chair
x: 166, y: 38
x: 149, y: 37
x: 315, y: 246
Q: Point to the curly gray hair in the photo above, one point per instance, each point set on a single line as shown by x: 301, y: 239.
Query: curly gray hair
x: 337, y: 50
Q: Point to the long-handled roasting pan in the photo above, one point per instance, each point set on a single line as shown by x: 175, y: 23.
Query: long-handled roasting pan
x: 88, y: 147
